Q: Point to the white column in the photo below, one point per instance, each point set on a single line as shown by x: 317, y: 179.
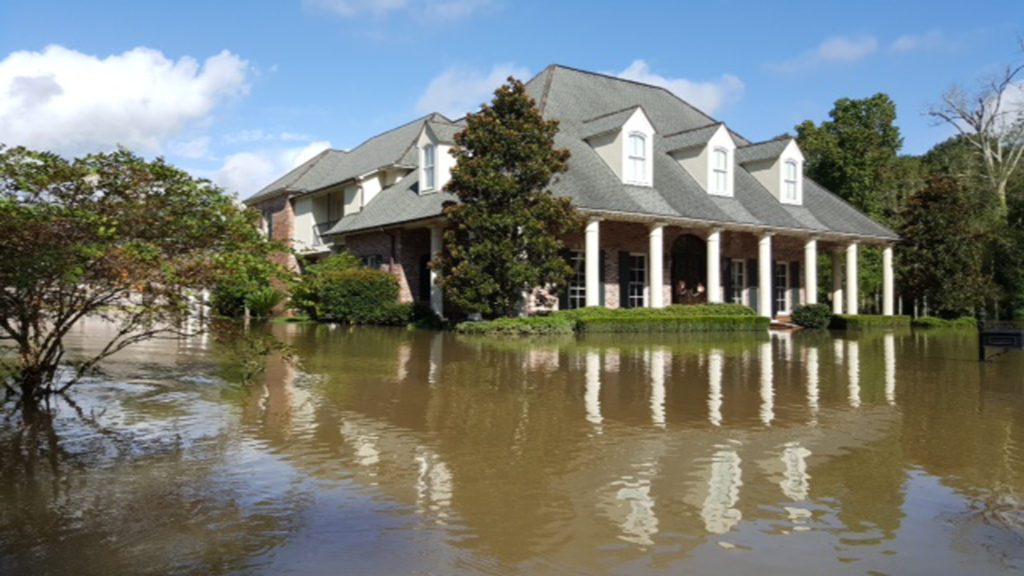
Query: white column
x: 656, y: 263
x: 436, y: 295
x: 887, y: 284
x: 837, y: 281
x: 764, y: 275
x: 593, y: 262
x: 714, y: 287
x: 851, y: 279
x: 811, y: 271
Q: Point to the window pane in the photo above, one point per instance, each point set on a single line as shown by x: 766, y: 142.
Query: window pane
x: 720, y: 158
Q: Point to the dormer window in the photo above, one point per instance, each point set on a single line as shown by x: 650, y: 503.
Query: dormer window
x: 790, y: 190
x: 720, y: 171
x: 637, y: 158
x: 429, y: 167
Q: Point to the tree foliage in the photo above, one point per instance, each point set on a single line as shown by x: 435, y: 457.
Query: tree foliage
x: 503, y: 236
x: 110, y: 236
x: 943, y: 248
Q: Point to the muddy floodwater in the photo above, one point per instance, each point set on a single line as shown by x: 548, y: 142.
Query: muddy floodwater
x: 377, y: 451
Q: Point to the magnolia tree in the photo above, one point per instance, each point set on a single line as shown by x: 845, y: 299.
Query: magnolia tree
x: 110, y: 236
x: 504, y: 235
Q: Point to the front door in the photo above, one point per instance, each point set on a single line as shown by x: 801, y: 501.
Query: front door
x: 781, y: 301
x: 689, y: 270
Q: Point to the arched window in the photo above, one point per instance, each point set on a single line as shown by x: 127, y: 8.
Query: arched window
x: 789, y: 182
x: 719, y: 171
x: 637, y: 158
x: 429, y: 169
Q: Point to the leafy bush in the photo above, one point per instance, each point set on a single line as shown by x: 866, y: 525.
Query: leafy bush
x: 674, y: 311
x: 814, y: 316
x: 534, y: 325
x: 636, y: 324
x: 866, y: 322
x: 262, y: 301
x: 931, y: 323
x: 307, y: 292
x: 359, y: 296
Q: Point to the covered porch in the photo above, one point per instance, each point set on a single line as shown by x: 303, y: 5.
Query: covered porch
x: 631, y: 264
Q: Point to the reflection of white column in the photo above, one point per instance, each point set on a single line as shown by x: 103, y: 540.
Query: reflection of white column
x: 796, y: 481
x: 436, y: 295
x: 592, y: 394
x: 887, y: 281
x: 657, y: 370
x: 764, y: 275
x: 714, y: 287
x: 641, y: 521
x: 837, y: 352
x: 889, y: 349
x: 433, y: 484
x: 837, y: 281
x: 656, y: 261
x: 592, y: 263
x: 810, y: 272
x: 726, y: 478
x: 852, y: 300
x: 853, y: 370
x: 812, y: 383
x: 434, y: 373
x: 715, y: 387
x: 767, y: 411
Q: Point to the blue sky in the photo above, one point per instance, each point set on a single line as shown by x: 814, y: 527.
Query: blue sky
x: 242, y: 91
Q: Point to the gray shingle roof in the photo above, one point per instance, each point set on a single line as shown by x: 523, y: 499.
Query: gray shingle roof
x: 396, y: 146
x: 587, y: 104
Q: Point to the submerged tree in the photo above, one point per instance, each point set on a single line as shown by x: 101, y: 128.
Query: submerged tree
x: 504, y: 235
x: 109, y: 236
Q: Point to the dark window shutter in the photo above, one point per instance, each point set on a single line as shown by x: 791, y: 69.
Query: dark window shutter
x: 623, y: 279
x: 752, y: 282
x: 794, y: 282
x: 727, y: 287
x: 601, y: 275
x: 563, y: 294
x: 775, y: 301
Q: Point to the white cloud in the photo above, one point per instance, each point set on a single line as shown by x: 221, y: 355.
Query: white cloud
x: 932, y: 40
x: 258, y: 135
x: 66, y: 101
x: 835, y: 49
x: 245, y: 173
x: 708, y: 96
x: 457, y: 91
x: 193, y: 149
x: 441, y: 10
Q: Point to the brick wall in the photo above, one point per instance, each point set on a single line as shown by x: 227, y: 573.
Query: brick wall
x: 401, y: 252
x: 282, y: 226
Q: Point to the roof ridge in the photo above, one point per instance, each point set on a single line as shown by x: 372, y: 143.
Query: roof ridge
x: 786, y: 139
x: 424, y: 118
x: 704, y: 127
x: 614, y: 112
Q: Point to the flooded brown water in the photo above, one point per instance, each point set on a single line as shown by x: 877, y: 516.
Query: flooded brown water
x: 394, y: 452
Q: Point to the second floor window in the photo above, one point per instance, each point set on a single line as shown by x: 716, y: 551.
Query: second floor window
x: 789, y: 183
x: 719, y: 171
x: 637, y: 170
x: 429, y: 169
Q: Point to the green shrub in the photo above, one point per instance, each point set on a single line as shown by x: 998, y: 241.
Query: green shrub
x: 813, y: 316
x: 866, y: 322
x: 262, y: 301
x: 674, y: 311
x: 530, y: 326
x: 359, y: 296
x: 932, y: 323
x: 307, y: 291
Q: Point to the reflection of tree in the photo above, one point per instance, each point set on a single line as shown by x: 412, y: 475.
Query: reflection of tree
x: 77, y: 500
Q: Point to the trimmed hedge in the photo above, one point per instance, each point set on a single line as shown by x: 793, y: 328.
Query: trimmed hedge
x: 813, y: 316
x: 679, y: 318
x: 677, y: 324
x: 933, y: 323
x: 359, y: 296
x: 533, y: 325
x: 868, y: 322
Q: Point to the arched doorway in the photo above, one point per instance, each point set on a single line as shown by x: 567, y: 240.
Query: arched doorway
x: 689, y: 270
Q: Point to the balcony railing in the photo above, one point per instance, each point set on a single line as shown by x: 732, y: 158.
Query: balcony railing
x: 319, y: 230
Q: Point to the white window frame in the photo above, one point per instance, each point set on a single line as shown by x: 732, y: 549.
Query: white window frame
x: 782, y: 288
x: 429, y: 167
x: 790, y: 182
x: 637, y: 165
x: 636, y: 286
x: 577, y: 296
x: 738, y: 270
x: 725, y: 171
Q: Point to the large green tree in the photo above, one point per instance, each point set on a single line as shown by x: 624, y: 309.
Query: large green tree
x: 944, y: 241
x: 503, y: 236
x: 111, y: 236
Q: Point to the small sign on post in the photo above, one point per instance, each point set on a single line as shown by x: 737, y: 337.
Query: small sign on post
x: 1006, y: 335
